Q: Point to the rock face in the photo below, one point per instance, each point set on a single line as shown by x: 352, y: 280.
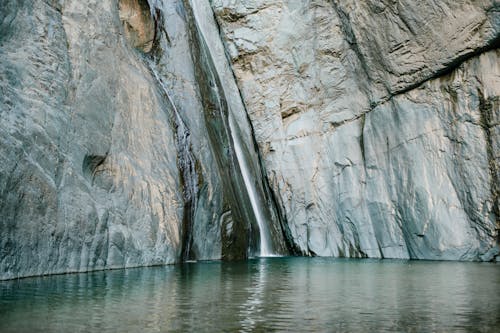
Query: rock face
x: 108, y: 140
x: 129, y: 131
x: 377, y: 121
x: 83, y: 185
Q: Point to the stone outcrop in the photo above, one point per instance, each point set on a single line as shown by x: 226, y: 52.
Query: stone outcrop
x: 136, y: 132
x: 88, y: 175
x: 138, y: 23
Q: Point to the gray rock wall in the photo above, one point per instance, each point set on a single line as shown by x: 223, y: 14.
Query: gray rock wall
x: 88, y: 174
x: 377, y: 121
x: 106, y: 159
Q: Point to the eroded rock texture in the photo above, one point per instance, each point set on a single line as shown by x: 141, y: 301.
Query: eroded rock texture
x: 107, y: 157
x: 377, y: 121
x: 125, y: 137
x: 83, y: 184
x: 138, y: 23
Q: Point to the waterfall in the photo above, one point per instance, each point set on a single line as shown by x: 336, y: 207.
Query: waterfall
x: 231, y: 136
x: 265, y: 242
x: 265, y: 238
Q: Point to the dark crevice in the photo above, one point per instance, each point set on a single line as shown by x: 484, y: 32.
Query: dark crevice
x: 337, y: 124
x: 91, y: 164
x: 186, y: 163
x: 190, y: 172
x: 487, y: 108
x: 188, y: 166
x: 158, y: 28
x: 355, y: 249
x: 379, y: 249
x: 290, y: 112
x: 362, y: 140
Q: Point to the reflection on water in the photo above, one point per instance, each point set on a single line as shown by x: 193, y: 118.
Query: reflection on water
x: 251, y: 311
x: 268, y: 294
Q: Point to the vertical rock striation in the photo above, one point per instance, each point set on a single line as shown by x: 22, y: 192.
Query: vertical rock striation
x: 88, y: 178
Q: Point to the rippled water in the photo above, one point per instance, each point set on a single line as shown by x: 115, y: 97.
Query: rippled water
x: 280, y: 294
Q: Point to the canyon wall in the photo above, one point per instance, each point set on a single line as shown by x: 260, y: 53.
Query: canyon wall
x: 378, y: 121
x: 115, y: 142
x: 139, y: 132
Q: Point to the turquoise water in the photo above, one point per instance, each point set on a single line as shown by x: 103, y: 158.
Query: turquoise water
x: 261, y: 295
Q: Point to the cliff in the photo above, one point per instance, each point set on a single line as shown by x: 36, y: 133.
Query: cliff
x: 378, y: 121
x: 139, y: 132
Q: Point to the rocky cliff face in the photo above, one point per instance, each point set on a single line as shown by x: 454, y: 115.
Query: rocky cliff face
x: 125, y: 137
x: 377, y: 121
x: 115, y: 140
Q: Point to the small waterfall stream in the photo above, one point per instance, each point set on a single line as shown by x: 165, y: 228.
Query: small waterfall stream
x: 265, y: 243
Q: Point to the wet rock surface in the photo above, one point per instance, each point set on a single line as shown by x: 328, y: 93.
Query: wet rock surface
x: 88, y: 174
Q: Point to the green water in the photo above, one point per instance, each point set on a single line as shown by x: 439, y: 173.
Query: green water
x: 278, y: 294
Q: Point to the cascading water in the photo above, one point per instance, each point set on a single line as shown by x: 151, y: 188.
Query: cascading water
x: 265, y: 243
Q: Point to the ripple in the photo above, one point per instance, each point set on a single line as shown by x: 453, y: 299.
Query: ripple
x: 280, y: 294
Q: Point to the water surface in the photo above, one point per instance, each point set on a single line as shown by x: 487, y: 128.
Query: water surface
x: 272, y: 294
